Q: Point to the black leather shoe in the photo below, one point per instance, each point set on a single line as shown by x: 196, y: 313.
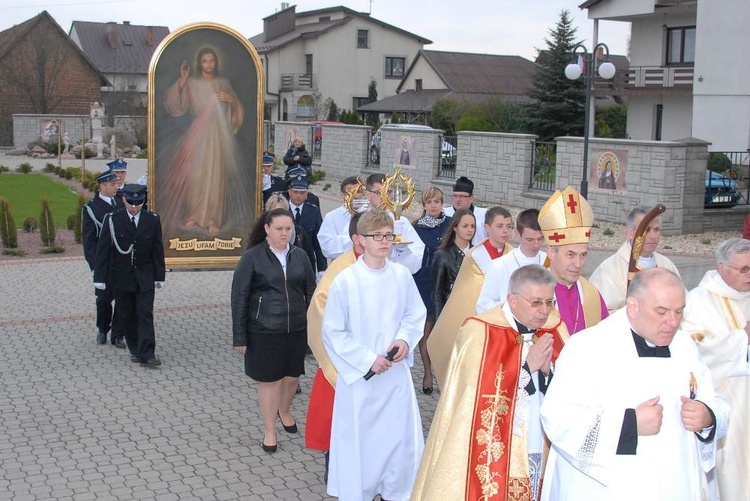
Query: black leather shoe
x: 427, y: 390
x: 288, y: 429
x: 151, y: 362
x: 101, y: 338
x: 119, y: 342
x: 298, y: 390
x: 268, y: 448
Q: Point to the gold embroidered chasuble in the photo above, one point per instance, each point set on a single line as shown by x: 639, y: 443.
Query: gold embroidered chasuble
x: 472, y: 452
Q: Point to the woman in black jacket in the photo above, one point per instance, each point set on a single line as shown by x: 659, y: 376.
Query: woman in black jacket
x: 449, y: 255
x: 272, y: 287
x: 298, y: 154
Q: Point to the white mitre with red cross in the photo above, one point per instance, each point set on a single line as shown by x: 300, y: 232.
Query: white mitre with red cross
x: 566, y: 218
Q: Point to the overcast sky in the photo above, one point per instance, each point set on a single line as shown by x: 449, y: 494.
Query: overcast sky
x: 509, y: 27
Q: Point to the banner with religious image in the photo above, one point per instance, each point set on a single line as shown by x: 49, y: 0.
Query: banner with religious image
x: 205, y: 118
x: 608, y: 169
x: 406, y: 151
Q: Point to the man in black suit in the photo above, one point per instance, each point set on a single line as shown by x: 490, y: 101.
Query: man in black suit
x: 307, y: 216
x: 130, y: 260
x: 271, y: 184
x: 92, y: 215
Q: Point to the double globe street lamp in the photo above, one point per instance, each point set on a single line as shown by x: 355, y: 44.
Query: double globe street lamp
x: 573, y: 71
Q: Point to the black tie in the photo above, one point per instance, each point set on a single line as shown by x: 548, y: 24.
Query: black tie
x: 132, y: 220
x: 114, y: 205
x: 296, y: 214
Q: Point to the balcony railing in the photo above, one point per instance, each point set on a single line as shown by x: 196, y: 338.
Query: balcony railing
x: 642, y: 79
x: 297, y: 81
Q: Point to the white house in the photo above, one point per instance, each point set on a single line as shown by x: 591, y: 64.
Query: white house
x: 122, y: 52
x: 329, y: 53
x: 689, y: 73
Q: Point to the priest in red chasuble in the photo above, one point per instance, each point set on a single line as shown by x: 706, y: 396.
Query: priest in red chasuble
x: 486, y: 440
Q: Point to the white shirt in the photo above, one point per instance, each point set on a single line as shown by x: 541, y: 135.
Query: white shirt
x: 109, y: 200
x: 333, y: 235
x: 281, y: 256
x: 495, y: 287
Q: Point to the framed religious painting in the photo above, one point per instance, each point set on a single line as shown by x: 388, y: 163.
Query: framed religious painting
x: 205, y: 119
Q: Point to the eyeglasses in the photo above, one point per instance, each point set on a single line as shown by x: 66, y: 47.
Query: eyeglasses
x: 538, y: 303
x: 378, y: 237
x: 459, y: 196
x: 744, y: 270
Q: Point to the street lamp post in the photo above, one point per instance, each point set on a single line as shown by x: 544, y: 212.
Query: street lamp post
x: 573, y: 71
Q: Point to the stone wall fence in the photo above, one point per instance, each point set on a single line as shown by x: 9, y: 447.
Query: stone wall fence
x: 499, y: 164
x: 666, y: 172
x: 27, y: 128
x: 345, y: 150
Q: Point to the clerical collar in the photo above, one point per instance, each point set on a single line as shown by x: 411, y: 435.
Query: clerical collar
x: 644, y: 263
x: 522, y: 329
x: 493, y: 251
x: 649, y: 350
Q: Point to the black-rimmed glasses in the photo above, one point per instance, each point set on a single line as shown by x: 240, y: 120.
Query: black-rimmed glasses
x: 378, y: 237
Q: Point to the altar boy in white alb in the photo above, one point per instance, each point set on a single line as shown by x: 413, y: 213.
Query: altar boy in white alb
x: 495, y: 287
x: 373, y: 307
x: 631, y: 412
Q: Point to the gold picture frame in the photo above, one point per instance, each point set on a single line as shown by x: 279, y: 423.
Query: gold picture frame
x: 205, y: 126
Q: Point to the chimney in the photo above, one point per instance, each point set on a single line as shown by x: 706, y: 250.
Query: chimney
x: 126, y: 23
x: 112, y: 34
x: 150, y: 36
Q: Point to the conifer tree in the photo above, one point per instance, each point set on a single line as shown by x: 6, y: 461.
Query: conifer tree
x: 78, y: 228
x: 46, y: 225
x: 557, y: 107
x: 8, y: 229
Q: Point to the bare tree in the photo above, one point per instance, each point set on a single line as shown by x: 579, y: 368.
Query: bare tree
x: 34, y: 69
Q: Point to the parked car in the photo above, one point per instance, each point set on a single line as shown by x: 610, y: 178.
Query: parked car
x: 721, y: 191
x: 447, y: 150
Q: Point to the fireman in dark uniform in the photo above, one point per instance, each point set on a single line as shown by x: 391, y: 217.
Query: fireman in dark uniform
x: 130, y: 260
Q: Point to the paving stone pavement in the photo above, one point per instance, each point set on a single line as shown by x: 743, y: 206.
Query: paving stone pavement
x: 78, y: 421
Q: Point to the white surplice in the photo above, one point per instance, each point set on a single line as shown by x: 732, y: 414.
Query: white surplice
x: 598, y: 375
x: 611, y: 276
x: 333, y: 235
x: 334, y: 239
x: 495, y: 286
x: 376, y: 435
x: 715, y: 316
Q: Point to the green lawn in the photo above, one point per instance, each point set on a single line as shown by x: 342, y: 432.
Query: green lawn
x: 25, y: 191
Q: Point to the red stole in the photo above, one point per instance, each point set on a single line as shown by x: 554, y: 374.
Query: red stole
x: 488, y: 472
x: 492, y: 250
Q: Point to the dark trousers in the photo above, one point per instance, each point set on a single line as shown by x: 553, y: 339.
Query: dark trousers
x: 106, y: 314
x: 136, y: 316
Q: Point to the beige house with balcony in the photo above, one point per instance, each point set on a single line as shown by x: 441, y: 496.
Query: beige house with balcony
x: 689, y: 74
x: 330, y: 53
